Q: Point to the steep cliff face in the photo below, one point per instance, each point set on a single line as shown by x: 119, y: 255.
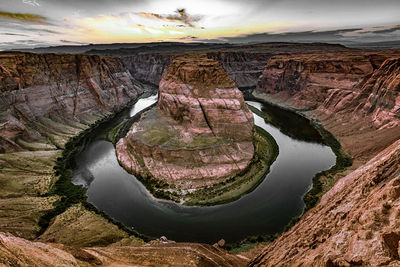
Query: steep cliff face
x: 64, y: 86
x: 147, y: 67
x: 353, y: 94
x: 44, y: 101
x: 201, y: 132
x: 243, y: 67
x: 356, y: 97
x: 243, y: 63
x: 356, y: 223
x: 379, y: 95
x: 306, y: 80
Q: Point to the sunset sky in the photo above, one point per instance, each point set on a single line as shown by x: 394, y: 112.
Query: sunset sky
x: 32, y: 23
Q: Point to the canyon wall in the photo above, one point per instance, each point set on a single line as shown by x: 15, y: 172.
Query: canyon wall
x: 36, y: 88
x: 244, y: 68
x: 243, y: 63
x: 147, y: 68
x: 356, y: 223
x: 44, y: 101
x: 354, y: 95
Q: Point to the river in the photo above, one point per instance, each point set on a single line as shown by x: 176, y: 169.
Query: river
x: 265, y: 210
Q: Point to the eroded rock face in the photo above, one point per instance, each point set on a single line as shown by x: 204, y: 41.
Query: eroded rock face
x: 357, y: 83
x: 306, y: 80
x: 355, y: 224
x: 244, y: 67
x: 147, y: 67
x: 200, y: 133
x: 45, y: 100
x: 68, y: 86
x: 16, y: 251
x: 355, y: 96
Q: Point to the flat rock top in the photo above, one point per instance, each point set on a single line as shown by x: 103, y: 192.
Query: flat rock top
x: 199, y: 71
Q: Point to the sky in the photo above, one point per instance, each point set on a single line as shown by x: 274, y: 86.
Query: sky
x: 38, y: 23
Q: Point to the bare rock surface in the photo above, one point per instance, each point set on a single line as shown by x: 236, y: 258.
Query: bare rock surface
x: 58, y: 87
x: 45, y: 100
x: 356, y: 97
x: 356, y: 222
x: 16, y: 251
x: 200, y: 133
x: 353, y: 94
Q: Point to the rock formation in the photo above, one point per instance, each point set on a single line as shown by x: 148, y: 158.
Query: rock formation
x: 355, y: 96
x: 45, y: 100
x: 356, y: 223
x: 201, y: 132
x: 78, y: 87
x: 243, y: 63
x: 147, y: 67
x: 16, y: 251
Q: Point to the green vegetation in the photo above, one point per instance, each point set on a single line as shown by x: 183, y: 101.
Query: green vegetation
x: 342, y: 162
x: 73, y: 194
x: 113, y: 133
x: 266, y: 151
x: 312, y: 197
x: 257, y: 111
x: 156, y: 134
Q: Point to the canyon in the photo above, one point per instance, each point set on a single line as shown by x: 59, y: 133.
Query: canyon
x: 47, y: 99
x: 201, y: 132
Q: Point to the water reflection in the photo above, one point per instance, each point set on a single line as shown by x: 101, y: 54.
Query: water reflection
x: 265, y: 210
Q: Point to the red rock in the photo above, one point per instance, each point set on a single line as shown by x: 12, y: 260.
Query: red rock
x: 34, y: 86
x: 208, y: 128
x: 356, y: 222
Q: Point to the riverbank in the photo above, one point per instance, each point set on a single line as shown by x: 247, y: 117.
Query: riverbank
x: 249, y: 241
x: 323, y: 180
x: 73, y: 197
x: 266, y: 151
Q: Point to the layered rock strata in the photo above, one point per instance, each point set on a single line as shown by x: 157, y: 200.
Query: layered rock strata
x: 353, y: 94
x: 356, y: 97
x: 200, y: 133
x: 37, y: 88
x: 44, y: 101
x: 356, y: 223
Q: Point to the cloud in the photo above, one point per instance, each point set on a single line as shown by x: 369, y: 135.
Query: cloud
x: 24, y: 17
x: 72, y: 42
x: 341, y: 36
x: 305, y: 36
x: 22, y: 44
x: 390, y: 30
x: 180, y: 16
x: 13, y: 34
x: 31, y: 2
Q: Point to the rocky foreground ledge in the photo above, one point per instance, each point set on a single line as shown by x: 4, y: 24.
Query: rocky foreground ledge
x: 200, y: 133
